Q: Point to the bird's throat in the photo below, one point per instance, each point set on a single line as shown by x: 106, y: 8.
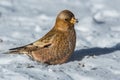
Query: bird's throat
x: 64, y: 27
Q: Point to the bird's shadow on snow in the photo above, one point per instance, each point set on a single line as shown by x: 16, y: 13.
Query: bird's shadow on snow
x: 80, y: 54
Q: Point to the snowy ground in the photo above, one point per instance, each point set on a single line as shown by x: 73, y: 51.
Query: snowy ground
x: 98, y: 33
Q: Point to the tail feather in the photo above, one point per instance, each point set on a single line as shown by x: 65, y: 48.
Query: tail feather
x: 18, y: 50
x: 22, y: 49
x: 13, y: 51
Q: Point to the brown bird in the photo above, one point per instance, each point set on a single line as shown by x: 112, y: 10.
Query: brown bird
x: 57, y: 45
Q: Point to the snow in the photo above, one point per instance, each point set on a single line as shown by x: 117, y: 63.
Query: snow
x: 96, y: 57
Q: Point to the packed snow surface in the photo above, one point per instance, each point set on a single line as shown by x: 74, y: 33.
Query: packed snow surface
x: 97, y: 53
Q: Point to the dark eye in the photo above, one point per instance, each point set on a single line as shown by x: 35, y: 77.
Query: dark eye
x: 66, y: 19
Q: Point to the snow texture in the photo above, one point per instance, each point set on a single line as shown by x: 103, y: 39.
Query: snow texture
x: 97, y: 53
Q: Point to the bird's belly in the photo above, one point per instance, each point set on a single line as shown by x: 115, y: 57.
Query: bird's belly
x: 63, y: 53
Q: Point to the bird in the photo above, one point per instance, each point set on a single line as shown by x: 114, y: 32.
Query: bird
x: 55, y: 47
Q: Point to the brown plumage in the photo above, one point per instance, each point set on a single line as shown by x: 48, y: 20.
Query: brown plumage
x: 57, y: 45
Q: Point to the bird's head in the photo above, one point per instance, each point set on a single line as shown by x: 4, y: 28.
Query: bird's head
x: 65, y: 19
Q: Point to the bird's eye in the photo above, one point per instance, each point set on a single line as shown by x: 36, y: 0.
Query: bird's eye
x: 66, y: 19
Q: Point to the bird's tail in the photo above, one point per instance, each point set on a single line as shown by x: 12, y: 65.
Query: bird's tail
x: 19, y: 50
x: 13, y: 51
x: 16, y: 50
x: 9, y: 51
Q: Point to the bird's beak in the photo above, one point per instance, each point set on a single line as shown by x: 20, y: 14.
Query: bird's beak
x: 73, y: 20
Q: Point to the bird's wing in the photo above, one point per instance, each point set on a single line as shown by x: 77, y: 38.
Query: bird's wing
x: 29, y: 48
x: 44, y: 42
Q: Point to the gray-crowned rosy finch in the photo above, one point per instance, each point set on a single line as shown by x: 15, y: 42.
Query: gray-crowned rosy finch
x: 57, y: 45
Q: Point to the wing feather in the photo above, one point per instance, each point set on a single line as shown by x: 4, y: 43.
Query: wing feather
x: 44, y: 42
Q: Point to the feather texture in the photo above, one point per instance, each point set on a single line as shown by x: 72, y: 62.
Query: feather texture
x: 57, y: 45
